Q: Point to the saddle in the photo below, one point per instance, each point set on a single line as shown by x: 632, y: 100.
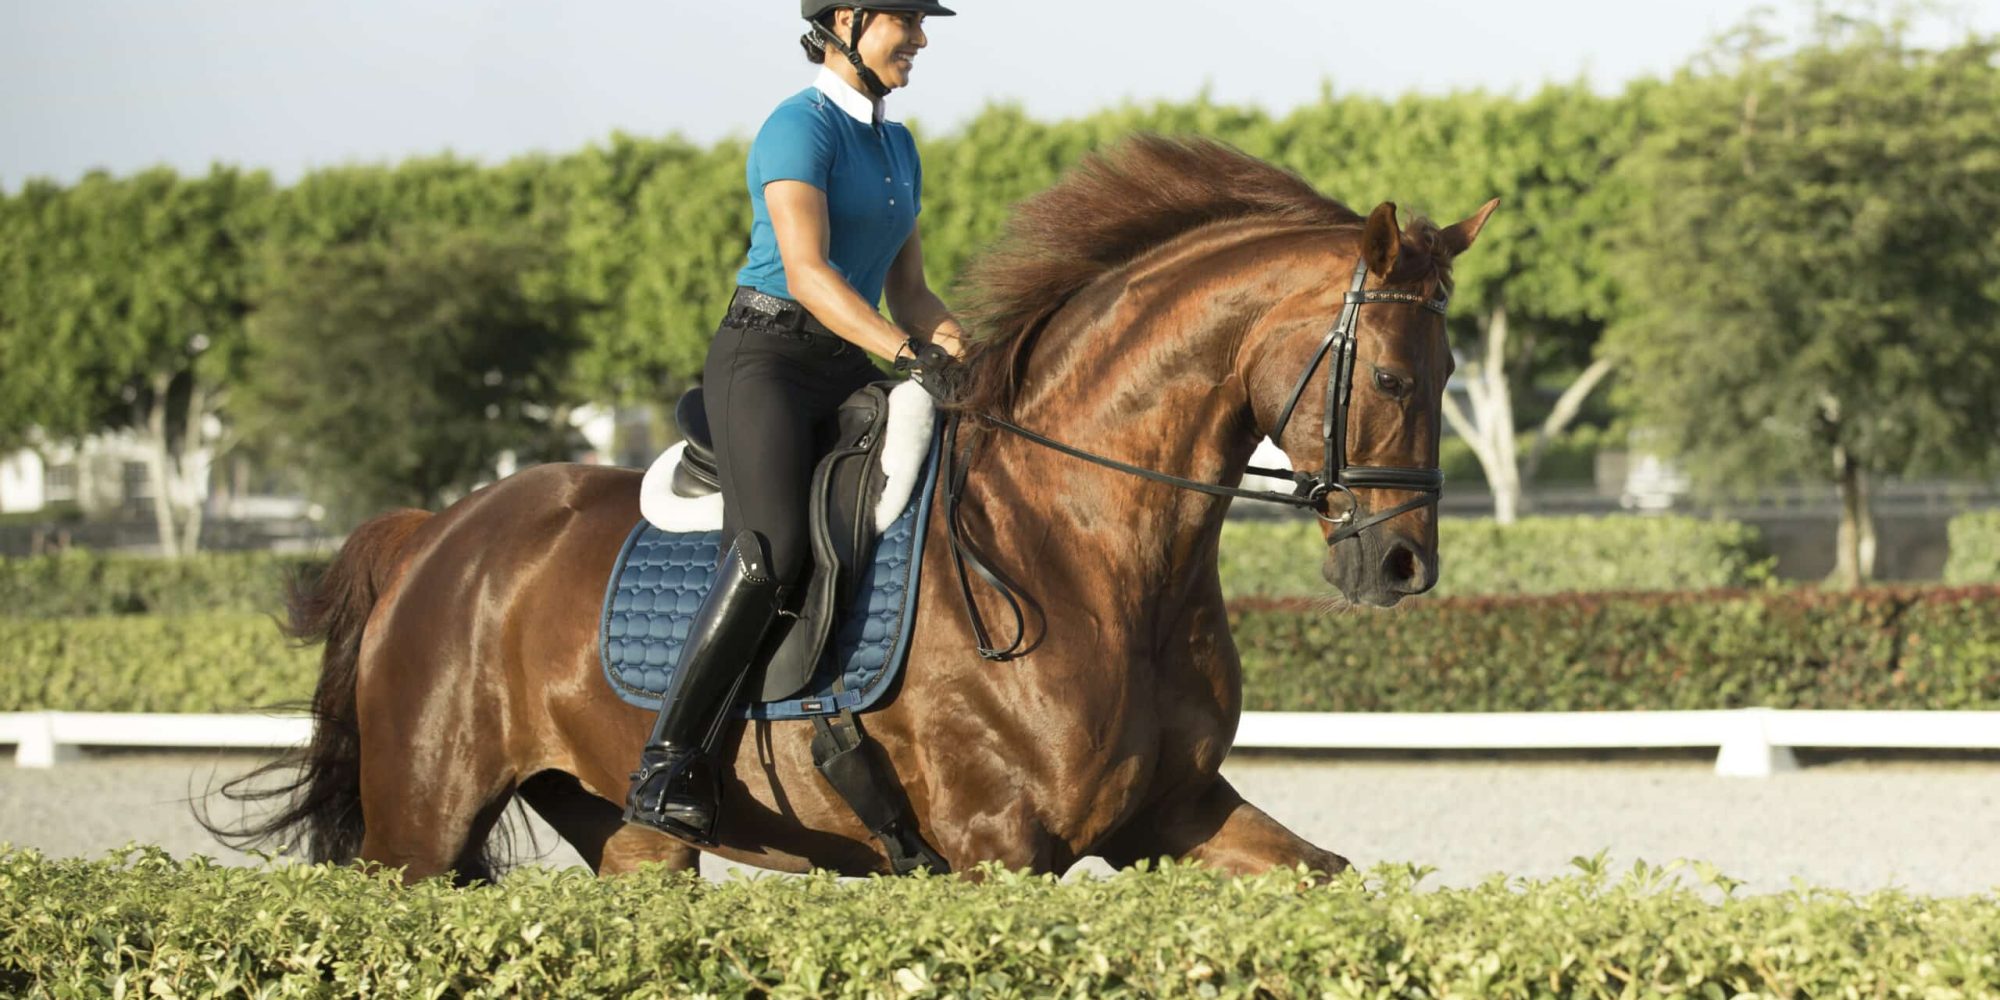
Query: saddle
x: 847, y: 516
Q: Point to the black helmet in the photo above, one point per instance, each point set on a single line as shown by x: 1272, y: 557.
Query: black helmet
x: 810, y: 9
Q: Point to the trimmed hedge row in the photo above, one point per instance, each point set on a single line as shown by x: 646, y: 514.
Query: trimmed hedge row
x: 1542, y: 555
x: 1887, y: 648
x: 1890, y: 648
x: 1975, y: 548
x: 1259, y: 559
x: 95, y: 583
x: 151, y: 663
x: 145, y: 924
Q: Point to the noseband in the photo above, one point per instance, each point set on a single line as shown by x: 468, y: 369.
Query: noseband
x: 1312, y: 490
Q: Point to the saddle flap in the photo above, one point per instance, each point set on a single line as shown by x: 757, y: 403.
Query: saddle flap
x: 846, y: 488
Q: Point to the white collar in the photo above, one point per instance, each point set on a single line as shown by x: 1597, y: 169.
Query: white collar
x: 859, y: 106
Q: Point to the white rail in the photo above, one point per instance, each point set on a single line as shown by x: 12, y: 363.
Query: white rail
x: 1751, y: 742
x: 45, y: 739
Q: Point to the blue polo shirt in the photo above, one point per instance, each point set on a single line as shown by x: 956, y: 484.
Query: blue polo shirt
x: 869, y: 171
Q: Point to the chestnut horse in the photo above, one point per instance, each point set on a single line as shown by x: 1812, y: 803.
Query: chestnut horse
x: 1157, y: 306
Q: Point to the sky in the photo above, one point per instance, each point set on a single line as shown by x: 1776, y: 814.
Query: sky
x: 295, y: 84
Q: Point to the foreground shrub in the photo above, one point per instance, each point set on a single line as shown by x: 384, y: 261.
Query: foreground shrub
x: 1538, y: 555
x: 1886, y: 648
x: 146, y: 925
x: 1975, y: 548
x: 96, y: 583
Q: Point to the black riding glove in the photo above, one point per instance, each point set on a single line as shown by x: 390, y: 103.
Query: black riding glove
x: 935, y: 369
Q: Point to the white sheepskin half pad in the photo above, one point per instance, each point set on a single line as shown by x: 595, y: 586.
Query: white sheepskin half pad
x: 906, y: 444
x: 669, y: 511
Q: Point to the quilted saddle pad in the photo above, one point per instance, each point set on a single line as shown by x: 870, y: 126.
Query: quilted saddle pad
x: 661, y: 577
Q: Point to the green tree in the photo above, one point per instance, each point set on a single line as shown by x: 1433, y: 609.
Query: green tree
x: 397, y: 372
x: 596, y: 194
x: 121, y: 306
x: 1811, y: 265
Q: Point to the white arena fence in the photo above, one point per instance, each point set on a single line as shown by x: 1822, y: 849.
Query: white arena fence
x: 1750, y: 742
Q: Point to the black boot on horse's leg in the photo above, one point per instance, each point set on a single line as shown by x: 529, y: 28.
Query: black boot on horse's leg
x: 676, y: 786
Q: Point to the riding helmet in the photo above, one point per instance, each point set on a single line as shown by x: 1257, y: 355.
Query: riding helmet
x: 810, y: 9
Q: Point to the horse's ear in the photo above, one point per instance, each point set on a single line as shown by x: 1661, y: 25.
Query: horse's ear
x: 1458, y: 238
x: 1381, y: 238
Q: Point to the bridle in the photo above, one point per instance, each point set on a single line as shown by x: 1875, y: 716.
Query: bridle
x: 1311, y: 490
x: 1336, y: 475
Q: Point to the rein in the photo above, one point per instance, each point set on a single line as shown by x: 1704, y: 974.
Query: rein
x: 1310, y: 489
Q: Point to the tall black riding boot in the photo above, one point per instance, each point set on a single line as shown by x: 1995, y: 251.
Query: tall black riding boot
x: 676, y: 786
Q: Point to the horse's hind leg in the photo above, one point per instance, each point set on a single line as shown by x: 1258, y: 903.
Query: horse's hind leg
x: 428, y: 816
x: 1217, y: 828
x: 435, y: 777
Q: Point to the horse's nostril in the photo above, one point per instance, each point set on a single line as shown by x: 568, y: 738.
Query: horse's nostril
x: 1401, y: 566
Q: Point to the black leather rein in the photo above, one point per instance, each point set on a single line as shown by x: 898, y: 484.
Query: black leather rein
x: 1310, y: 489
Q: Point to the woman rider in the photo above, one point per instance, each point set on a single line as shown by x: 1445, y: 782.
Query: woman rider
x: 834, y: 194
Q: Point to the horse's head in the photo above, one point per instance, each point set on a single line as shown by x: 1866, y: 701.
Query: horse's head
x: 1361, y: 407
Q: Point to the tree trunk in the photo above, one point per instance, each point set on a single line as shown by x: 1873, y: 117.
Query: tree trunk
x: 1854, y: 543
x: 192, y: 489
x: 156, y: 461
x: 1565, y: 411
x: 1490, y: 429
x: 180, y: 475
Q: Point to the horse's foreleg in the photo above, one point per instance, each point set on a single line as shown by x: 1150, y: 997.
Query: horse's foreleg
x: 596, y: 827
x: 1218, y: 829
x: 633, y: 846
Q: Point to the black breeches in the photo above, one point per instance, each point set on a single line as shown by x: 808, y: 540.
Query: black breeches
x: 767, y: 396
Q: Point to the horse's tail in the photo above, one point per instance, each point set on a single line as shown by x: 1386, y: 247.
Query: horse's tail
x: 322, y: 796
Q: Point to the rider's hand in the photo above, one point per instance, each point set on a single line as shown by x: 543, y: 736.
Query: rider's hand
x: 951, y: 344
x: 932, y: 367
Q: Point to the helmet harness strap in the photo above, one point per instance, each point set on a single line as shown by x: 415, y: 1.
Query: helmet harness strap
x: 852, y: 50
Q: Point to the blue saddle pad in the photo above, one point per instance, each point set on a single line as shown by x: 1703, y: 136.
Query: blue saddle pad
x: 661, y: 577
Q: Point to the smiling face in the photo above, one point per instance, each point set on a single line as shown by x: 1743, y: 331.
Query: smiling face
x: 890, y: 44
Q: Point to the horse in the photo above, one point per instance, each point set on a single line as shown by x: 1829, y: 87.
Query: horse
x: 1158, y: 304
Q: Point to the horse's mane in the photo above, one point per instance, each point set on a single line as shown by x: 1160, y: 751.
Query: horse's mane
x: 1105, y: 213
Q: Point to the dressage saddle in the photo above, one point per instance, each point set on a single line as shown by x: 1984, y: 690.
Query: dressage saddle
x: 846, y: 486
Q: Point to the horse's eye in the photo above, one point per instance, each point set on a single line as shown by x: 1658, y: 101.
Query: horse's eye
x: 1388, y: 383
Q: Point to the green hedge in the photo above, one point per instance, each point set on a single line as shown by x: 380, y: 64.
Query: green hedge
x: 146, y: 925
x: 1975, y: 548
x: 149, y: 663
x: 1888, y: 648
x: 1909, y: 648
x: 95, y: 583
x: 1538, y: 555
x: 1259, y: 559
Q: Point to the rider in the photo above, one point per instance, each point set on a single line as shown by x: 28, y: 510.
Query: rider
x: 835, y: 190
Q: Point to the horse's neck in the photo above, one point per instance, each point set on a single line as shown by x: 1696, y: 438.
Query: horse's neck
x: 1142, y: 367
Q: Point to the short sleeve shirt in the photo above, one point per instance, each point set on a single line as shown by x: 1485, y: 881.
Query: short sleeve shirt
x: 869, y: 171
